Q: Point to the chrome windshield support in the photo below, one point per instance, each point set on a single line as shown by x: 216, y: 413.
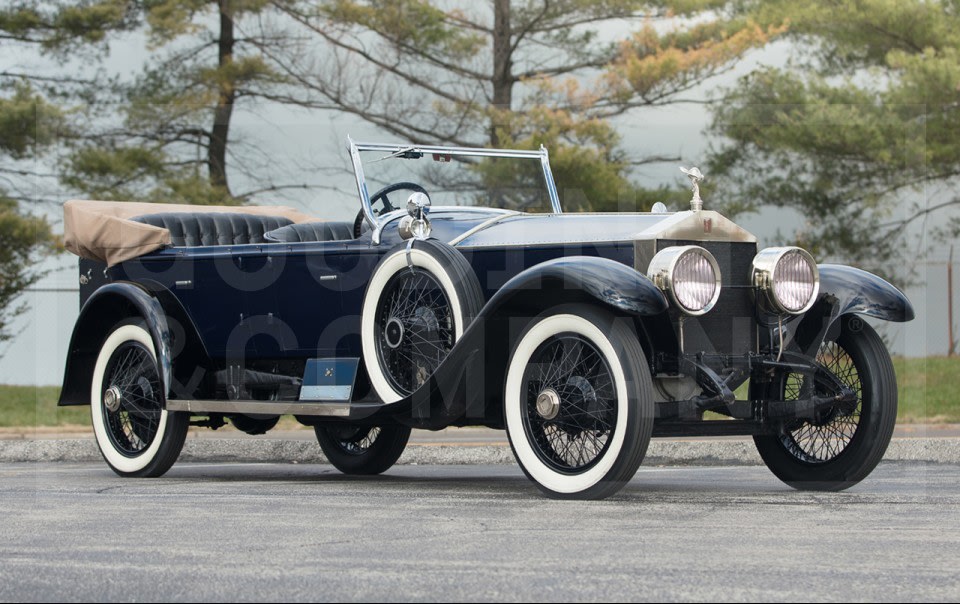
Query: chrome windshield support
x: 393, y: 149
x: 361, y: 182
x: 548, y: 177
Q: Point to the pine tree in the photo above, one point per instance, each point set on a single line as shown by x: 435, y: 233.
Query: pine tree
x: 517, y: 74
x: 854, y: 130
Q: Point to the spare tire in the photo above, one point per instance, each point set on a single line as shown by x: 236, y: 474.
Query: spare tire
x: 420, y: 299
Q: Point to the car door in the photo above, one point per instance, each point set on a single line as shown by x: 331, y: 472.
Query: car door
x: 309, y: 304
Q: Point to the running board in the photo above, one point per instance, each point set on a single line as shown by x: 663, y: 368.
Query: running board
x: 260, y: 407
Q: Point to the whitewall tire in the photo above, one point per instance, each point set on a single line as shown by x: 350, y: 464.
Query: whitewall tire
x: 135, y: 435
x: 418, y: 303
x: 578, y: 402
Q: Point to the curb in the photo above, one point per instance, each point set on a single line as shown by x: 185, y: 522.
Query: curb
x: 660, y: 453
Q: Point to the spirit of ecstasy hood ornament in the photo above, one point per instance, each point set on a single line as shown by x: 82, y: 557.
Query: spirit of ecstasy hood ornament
x: 695, y: 176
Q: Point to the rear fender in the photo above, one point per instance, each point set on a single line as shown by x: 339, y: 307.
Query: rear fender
x: 105, y: 308
x: 182, y: 356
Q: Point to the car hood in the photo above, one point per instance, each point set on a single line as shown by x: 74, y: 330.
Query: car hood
x: 572, y: 229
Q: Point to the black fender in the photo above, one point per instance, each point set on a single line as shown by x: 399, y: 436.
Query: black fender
x: 846, y: 290
x: 104, y: 308
x: 468, y: 385
x: 580, y: 278
x: 172, y: 332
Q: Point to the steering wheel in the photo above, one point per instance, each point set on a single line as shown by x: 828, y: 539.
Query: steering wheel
x: 381, y: 195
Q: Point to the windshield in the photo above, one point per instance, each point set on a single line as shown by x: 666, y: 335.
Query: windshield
x: 454, y: 176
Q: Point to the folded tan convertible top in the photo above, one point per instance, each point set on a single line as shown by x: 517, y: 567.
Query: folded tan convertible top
x: 102, y: 230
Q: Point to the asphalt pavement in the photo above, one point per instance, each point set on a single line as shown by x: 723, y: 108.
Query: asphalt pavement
x: 75, y: 531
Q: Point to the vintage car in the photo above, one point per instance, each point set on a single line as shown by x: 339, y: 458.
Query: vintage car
x: 475, y: 301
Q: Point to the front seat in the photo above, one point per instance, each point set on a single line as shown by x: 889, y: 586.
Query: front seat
x: 311, y: 231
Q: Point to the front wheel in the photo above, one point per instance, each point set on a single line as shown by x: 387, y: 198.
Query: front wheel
x: 362, y: 450
x: 579, y: 403
x: 844, y: 444
x: 135, y: 434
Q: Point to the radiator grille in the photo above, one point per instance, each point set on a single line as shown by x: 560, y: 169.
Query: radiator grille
x: 730, y: 327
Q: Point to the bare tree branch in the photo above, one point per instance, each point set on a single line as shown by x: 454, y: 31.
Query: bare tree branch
x: 567, y: 24
x: 654, y: 159
x: 525, y: 30
x: 39, y: 78
x: 275, y: 188
x: 398, y: 43
x: 467, y: 23
x: 899, y: 225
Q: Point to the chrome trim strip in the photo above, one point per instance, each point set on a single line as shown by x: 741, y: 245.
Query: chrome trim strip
x: 483, y: 225
x: 260, y: 407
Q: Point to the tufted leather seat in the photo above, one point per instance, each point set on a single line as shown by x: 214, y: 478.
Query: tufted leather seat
x: 312, y: 231
x: 214, y: 228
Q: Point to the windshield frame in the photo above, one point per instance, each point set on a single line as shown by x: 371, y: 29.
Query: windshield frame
x: 355, y: 148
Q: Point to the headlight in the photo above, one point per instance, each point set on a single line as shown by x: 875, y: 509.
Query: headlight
x: 690, y: 275
x: 788, y: 277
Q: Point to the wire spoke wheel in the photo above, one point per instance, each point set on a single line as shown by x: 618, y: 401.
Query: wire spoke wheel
x: 578, y: 402
x: 414, y: 328
x: 827, y: 436
x: 357, y: 441
x: 135, y: 434
x: 570, y: 409
x: 843, y: 443
x: 362, y: 450
x: 132, y: 385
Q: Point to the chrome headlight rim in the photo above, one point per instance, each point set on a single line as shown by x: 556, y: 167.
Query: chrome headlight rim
x: 763, y: 273
x: 662, y: 271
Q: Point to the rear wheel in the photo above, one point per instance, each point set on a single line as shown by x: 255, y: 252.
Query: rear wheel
x: 135, y: 434
x: 845, y: 443
x: 579, y: 403
x: 362, y: 449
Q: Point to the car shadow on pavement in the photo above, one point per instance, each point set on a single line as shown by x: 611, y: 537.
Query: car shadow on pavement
x: 649, y: 485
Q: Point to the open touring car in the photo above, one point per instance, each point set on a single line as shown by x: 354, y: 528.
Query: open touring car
x: 475, y: 302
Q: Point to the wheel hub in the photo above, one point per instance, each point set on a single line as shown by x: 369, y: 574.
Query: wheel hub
x: 112, y: 399
x: 393, y: 333
x: 548, y: 404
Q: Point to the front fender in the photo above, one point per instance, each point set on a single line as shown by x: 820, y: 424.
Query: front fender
x: 846, y: 290
x: 857, y: 291
x: 107, y: 306
x: 570, y: 278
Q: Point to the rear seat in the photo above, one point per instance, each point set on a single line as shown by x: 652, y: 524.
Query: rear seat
x: 214, y: 228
